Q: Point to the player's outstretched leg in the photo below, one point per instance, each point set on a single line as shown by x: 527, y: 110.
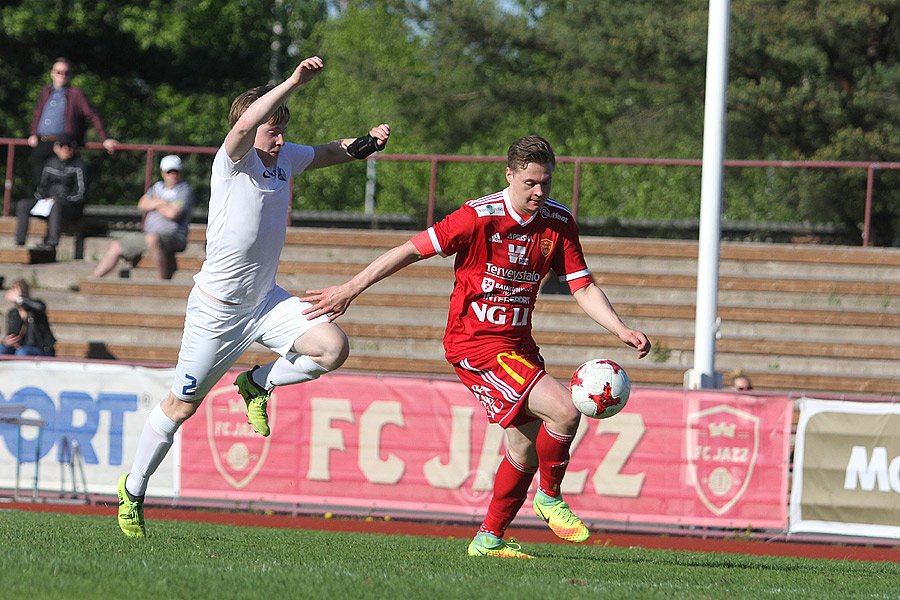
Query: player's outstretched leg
x: 131, y: 511
x: 486, y: 544
x: 560, y: 518
x: 256, y: 399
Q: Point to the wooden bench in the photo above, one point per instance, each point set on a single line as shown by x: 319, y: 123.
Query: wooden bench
x: 646, y: 374
x: 79, y: 229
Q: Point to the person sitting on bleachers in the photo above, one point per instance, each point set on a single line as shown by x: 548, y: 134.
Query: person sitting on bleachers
x: 27, y: 327
x: 59, y: 197
x: 167, y: 209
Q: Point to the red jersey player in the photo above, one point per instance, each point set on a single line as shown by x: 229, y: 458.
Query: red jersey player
x: 505, y: 243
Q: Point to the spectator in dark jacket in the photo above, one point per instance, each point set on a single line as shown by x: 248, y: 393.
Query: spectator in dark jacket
x: 27, y: 327
x: 61, y: 109
x: 59, y: 197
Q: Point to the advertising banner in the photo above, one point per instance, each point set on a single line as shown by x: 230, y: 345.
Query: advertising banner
x: 362, y: 442
x: 847, y: 469
x: 92, y: 410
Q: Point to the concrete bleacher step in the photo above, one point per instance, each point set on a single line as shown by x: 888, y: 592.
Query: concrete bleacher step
x: 411, y: 337
x: 436, y: 273
x: 26, y: 255
x: 563, y: 305
x: 793, y: 316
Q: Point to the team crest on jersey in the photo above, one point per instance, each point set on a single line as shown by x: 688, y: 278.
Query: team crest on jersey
x: 495, y: 209
x: 487, y: 285
x: 546, y: 247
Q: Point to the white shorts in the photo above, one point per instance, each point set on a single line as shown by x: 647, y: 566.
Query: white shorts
x: 215, y: 336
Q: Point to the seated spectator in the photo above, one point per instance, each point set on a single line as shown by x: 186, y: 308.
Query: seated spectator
x: 740, y: 382
x: 27, y: 327
x: 167, y: 209
x: 59, y: 197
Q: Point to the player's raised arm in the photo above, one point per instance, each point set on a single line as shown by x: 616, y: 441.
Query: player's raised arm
x: 240, y: 139
x: 596, y: 305
x: 335, y: 300
x: 348, y: 149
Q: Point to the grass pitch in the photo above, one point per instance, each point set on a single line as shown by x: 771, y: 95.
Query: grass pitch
x: 54, y: 556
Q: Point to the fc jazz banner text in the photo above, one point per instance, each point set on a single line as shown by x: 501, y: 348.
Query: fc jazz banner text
x: 358, y: 443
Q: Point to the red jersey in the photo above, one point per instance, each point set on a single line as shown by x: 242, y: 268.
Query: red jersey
x: 501, y: 258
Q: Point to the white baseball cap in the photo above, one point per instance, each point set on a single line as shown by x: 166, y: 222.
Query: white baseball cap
x: 170, y: 163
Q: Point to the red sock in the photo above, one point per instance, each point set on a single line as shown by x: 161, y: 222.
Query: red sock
x: 553, y: 459
x: 510, y: 490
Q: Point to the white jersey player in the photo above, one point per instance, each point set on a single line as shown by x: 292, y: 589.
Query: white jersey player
x: 235, y: 300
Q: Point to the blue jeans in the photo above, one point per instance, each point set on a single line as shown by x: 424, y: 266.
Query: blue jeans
x: 24, y: 351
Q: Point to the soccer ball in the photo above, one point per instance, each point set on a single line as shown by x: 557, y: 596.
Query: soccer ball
x: 600, y: 388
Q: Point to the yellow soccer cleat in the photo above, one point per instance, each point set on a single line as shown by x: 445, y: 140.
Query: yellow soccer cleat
x: 504, y: 549
x: 256, y: 399
x: 131, y: 511
x: 561, y: 519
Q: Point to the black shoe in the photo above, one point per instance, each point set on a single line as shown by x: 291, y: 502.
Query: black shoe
x: 45, y: 248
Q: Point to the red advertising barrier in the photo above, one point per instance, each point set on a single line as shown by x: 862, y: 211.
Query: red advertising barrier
x: 404, y: 444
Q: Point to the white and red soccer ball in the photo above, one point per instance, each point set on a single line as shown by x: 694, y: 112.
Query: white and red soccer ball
x: 600, y: 388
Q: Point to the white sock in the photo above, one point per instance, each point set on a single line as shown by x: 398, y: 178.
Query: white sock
x: 153, y: 445
x: 284, y: 372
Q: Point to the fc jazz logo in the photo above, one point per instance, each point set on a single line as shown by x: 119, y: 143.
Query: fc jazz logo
x: 238, y: 452
x: 722, y: 446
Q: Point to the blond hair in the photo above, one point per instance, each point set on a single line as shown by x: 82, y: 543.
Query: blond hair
x: 280, y: 117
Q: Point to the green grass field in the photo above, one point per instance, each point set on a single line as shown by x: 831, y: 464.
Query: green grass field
x: 56, y: 556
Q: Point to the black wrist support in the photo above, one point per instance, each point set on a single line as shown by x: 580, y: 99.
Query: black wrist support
x: 363, y: 146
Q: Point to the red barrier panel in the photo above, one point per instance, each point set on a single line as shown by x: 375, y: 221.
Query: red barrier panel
x: 355, y: 442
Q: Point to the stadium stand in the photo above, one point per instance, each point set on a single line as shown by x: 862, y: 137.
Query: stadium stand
x: 796, y: 317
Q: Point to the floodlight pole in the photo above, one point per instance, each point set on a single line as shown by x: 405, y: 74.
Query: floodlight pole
x: 704, y: 375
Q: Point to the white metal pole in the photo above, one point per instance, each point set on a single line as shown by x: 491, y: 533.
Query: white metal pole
x: 703, y: 375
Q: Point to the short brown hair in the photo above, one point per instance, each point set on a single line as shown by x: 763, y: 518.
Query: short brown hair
x: 281, y: 116
x: 63, y: 60
x: 530, y: 149
x: 22, y: 285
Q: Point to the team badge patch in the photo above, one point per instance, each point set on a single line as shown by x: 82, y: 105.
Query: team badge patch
x: 546, y: 247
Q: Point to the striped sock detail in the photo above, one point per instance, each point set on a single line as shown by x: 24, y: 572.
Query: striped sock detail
x: 559, y: 437
x: 519, y: 466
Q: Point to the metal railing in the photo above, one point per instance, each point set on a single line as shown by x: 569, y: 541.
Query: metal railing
x: 870, y: 167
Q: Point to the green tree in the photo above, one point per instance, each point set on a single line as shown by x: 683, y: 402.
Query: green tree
x: 159, y: 72
x: 807, y: 80
x: 818, y: 81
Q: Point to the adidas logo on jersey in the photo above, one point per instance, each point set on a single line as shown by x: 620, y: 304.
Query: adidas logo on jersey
x: 496, y: 238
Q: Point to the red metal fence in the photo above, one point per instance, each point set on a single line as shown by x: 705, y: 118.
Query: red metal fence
x: 435, y: 159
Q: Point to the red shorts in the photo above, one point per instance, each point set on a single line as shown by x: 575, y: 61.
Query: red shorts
x: 501, y: 383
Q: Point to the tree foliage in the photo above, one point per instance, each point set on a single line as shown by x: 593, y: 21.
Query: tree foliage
x: 807, y: 80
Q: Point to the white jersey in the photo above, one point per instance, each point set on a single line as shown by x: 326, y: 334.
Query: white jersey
x: 248, y: 218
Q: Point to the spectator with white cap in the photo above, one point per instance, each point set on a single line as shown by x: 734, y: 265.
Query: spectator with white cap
x: 167, y: 207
